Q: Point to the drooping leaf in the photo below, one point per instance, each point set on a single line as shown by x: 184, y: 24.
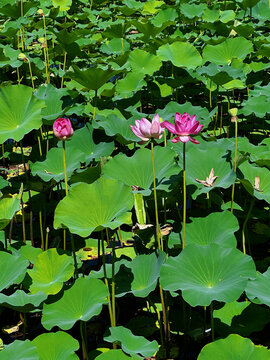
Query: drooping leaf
x: 19, y: 350
x: 258, y: 289
x: 22, y: 301
x: 13, y: 269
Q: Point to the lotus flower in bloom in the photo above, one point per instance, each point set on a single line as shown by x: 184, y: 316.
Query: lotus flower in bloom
x: 62, y: 129
x: 146, y: 130
x: 185, y: 125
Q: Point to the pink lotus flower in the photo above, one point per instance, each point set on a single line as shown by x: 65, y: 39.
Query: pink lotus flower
x: 185, y: 125
x: 62, y: 129
x: 145, y: 130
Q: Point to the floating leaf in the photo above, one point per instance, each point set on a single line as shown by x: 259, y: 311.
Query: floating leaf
x: 207, y: 273
x: 81, y: 302
x: 50, y: 271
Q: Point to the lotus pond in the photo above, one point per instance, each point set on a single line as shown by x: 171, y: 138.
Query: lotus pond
x: 135, y: 183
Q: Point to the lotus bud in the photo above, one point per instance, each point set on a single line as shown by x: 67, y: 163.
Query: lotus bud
x: 40, y: 12
x: 22, y: 57
x: 62, y: 129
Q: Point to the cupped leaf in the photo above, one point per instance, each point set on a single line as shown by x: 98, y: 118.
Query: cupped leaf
x: 21, y: 301
x: 223, y: 54
x: 137, y: 169
x: 50, y: 271
x: 18, y: 118
x: 8, y: 208
x: 81, y: 302
x: 13, y: 269
x: 64, y: 5
x: 180, y: 54
x: 234, y: 347
x: 132, y: 344
x: 258, y: 289
x: 56, y: 346
x: 116, y: 354
x: 207, y: 273
x: 216, y: 228
x: 104, y: 203
x: 144, y: 62
x: 19, y: 350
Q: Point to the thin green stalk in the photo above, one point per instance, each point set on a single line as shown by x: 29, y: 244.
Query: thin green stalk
x: 47, y: 51
x: 159, y: 320
x: 31, y: 74
x: 113, y: 283
x: 65, y: 166
x: 212, y: 322
x: 47, y: 238
x: 159, y: 240
x: 64, y: 68
x: 245, y: 225
x: 23, y: 221
x: 84, y: 347
x: 64, y: 239
x: 184, y: 196
x: 235, y: 162
x: 41, y: 230
x: 106, y: 279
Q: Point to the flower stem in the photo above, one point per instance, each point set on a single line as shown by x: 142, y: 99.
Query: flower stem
x: 31, y: 74
x: 184, y: 196
x: 212, y: 322
x: 245, y: 225
x: 64, y: 68
x: 159, y: 240
x: 105, y: 279
x: 84, y: 348
x: 65, y: 166
x: 235, y: 163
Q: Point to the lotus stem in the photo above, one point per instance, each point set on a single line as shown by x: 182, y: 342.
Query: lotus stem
x: 41, y: 230
x: 23, y: 221
x: 212, y: 322
x: 31, y: 228
x: 65, y: 166
x: 31, y: 74
x: 184, y: 197
x: 64, y: 68
x: 46, y: 51
x: 159, y: 320
x: 220, y: 124
x: 113, y: 283
x: 84, y: 347
x: 65, y: 239
x: 47, y: 238
x: 245, y: 225
x: 46, y: 66
x: 120, y: 236
x: 10, y: 230
x: 164, y: 312
x: 106, y: 279
x: 159, y: 240
x: 234, y: 164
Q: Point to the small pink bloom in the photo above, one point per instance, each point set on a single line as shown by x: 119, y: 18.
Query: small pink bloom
x: 185, y: 125
x: 62, y: 129
x: 145, y: 130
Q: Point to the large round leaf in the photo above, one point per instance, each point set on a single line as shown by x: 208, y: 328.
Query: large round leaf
x: 50, y: 271
x: 132, y: 344
x: 56, y: 346
x: 180, y: 54
x: 232, y: 348
x: 105, y: 203
x: 13, y: 269
x: 259, y: 288
x: 20, y: 112
x: 222, y: 54
x: 144, y: 62
x: 216, y: 228
x: 81, y: 302
x: 19, y: 350
x: 21, y: 301
x: 116, y: 354
x: 8, y: 208
x: 207, y: 273
x: 137, y: 169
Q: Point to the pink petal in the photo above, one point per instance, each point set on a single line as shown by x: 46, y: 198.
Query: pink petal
x: 176, y: 139
x: 155, y: 128
x: 194, y: 141
x: 145, y: 127
x: 137, y: 132
x: 169, y: 126
x: 156, y: 119
x: 184, y: 139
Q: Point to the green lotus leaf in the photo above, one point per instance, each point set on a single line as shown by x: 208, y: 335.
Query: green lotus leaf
x: 64, y: 5
x: 18, y: 118
x: 115, y: 46
x: 144, y: 62
x: 56, y: 346
x: 13, y: 269
x: 216, y: 228
x: 145, y: 270
x: 200, y: 159
x: 116, y: 125
x: 52, y: 97
x: 50, y: 271
x: 116, y: 354
x: 259, y: 105
x: 234, y: 347
x: 210, y: 15
x: 227, y: 15
x: 53, y: 166
x: 223, y: 54
x: 192, y: 10
x: 19, y: 350
x: 130, y: 343
x: 137, y: 169
x: 245, y: 4
x: 234, y: 84
x: 104, y: 203
x: 248, y: 180
x: 29, y: 252
x: 261, y: 10
x: 164, y: 16
x: 133, y: 82
x: 82, y: 140
x: 92, y: 78
x: 8, y: 208
x: 180, y: 54
x: 81, y: 302
x: 207, y: 273
x: 229, y: 310
x: 258, y: 288
x: 21, y: 301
